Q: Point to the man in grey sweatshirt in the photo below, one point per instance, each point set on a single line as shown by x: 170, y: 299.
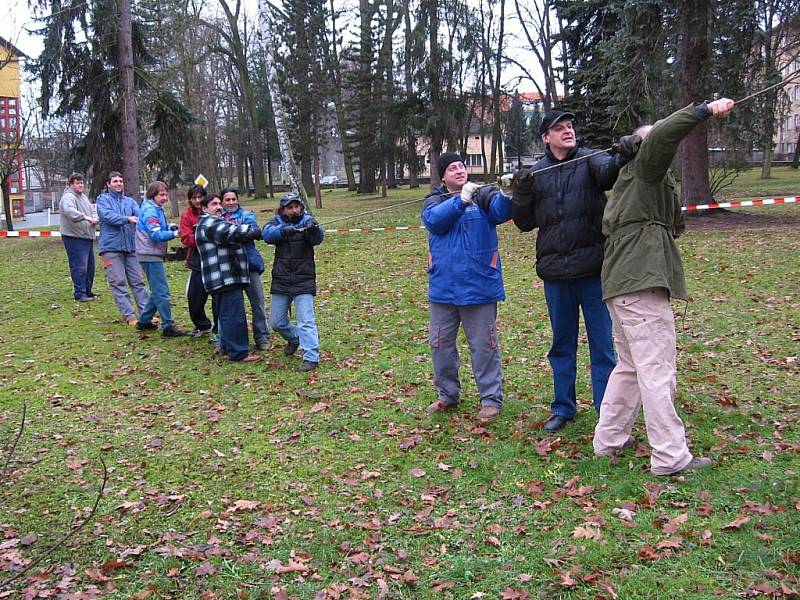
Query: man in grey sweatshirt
x: 78, y: 218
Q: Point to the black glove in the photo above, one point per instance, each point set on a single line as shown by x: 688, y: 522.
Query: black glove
x: 523, y: 182
x: 288, y: 230
x: 254, y: 234
x: 173, y: 227
x: 483, y: 197
x: 627, y: 147
x: 312, y: 225
x: 522, y: 198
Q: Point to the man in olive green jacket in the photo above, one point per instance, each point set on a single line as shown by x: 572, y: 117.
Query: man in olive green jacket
x: 641, y: 271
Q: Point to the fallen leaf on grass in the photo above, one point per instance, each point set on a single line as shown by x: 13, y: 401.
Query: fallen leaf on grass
x: 293, y: 567
x: 648, y: 553
x: 736, y: 523
x: 205, y: 569
x: 671, y: 526
x: 113, y: 565
x: 514, y: 594
x: 671, y: 543
x: 409, y: 578
x: 416, y: 472
x: 244, y: 505
x: 624, y: 513
x: 582, y: 532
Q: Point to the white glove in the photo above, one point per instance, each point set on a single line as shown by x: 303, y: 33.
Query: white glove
x: 506, y: 180
x: 468, y: 191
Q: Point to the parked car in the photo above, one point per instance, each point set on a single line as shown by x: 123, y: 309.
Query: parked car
x: 329, y: 180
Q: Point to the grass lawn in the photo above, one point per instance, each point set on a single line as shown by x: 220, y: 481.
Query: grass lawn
x: 256, y: 481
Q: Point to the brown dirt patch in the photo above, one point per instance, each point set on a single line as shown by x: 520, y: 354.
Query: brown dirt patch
x: 726, y: 220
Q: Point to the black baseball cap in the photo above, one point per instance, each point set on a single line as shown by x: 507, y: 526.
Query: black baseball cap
x: 553, y: 117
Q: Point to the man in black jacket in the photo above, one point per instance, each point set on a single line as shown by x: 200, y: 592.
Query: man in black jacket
x: 566, y: 203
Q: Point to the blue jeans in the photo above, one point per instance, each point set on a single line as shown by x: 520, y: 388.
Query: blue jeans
x: 255, y: 294
x: 306, y: 329
x: 159, y: 294
x: 564, y: 299
x: 231, y: 323
x: 80, y: 255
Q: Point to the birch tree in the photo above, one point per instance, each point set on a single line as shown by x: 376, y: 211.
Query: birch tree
x: 281, y: 118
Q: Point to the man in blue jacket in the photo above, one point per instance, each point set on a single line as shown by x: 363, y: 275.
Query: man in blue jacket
x: 118, y: 215
x: 465, y: 283
x: 152, y: 235
x: 234, y: 213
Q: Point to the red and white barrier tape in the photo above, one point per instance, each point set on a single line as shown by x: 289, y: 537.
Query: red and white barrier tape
x: 25, y: 233
x: 741, y: 203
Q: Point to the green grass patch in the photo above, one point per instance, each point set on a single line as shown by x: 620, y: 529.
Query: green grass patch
x: 255, y: 481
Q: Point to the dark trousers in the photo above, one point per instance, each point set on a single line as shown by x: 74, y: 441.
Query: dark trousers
x: 197, y: 296
x: 80, y: 255
x: 232, y: 323
x: 564, y: 301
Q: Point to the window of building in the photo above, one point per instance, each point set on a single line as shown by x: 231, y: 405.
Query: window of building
x: 474, y: 160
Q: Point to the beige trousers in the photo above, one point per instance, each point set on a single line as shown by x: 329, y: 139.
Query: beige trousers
x: 644, y: 338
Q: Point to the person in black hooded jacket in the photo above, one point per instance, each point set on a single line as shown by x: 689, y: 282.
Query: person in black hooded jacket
x: 294, y: 278
x: 566, y: 204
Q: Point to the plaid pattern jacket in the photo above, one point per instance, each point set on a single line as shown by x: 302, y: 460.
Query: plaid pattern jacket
x: 223, y: 260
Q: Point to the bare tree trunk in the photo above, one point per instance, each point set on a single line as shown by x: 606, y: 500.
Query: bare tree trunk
x: 341, y: 121
x: 248, y: 95
x: 411, y: 138
x: 796, y: 156
x: 128, y: 129
x: 281, y: 119
x: 6, y: 190
x: 317, y: 190
x: 693, y: 52
x: 496, y: 160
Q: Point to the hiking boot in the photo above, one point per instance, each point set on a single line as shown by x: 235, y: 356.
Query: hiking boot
x: 308, y: 365
x: 264, y: 345
x: 291, y: 347
x: 629, y: 444
x: 487, y: 413
x: 172, y: 332
x: 698, y: 463
x: 145, y: 326
x: 438, y: 406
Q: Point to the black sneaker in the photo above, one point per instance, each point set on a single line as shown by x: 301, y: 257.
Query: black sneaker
x: 146, y: 326
x: 93, y: 295
x: 85, y: 299
x: 307, y: 366
x: 291, y: 347
x: 171, y: 332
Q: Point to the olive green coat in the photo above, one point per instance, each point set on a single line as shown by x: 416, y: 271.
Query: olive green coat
x: 643, y: 216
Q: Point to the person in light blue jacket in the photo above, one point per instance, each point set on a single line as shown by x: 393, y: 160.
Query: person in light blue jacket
x: 465, y: 280
x: 152, y: 236
x: 118, y: 215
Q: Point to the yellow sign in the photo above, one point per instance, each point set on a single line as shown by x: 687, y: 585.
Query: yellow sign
x: 201, y: 180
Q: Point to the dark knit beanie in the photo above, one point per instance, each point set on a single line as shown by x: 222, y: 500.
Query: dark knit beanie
x: 445, y: 160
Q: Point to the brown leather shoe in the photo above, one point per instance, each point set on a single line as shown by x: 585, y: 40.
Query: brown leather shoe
x: 438, y: 406
x: 251, y: 358
x: 487, y: 413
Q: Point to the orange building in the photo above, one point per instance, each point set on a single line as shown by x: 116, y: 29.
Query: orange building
x: 10, y: 123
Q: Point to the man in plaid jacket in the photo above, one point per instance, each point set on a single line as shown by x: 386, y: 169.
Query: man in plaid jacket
x: 225, y: 273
